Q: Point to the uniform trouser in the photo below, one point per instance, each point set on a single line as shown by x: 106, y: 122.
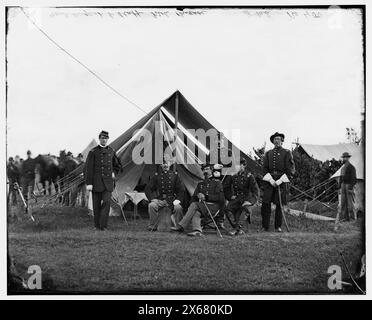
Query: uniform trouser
x: 266, y: 213
x: 220, y: 218
x: 234, y: 212
x: 192, y: 217
x: 155, y: 206
x: 347, y: 202
x: 270, y: 195
x: 101, y: 208
x: 27, y: 185
x: 196, y: 212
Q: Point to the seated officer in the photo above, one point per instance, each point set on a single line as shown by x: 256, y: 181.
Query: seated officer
x: 208, y: 193
x: 164, y: 189
x: 242, y: 191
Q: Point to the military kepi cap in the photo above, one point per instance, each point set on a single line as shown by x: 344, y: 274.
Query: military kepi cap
x: 276, y: 134
x: 346, y: 155
x: 103, y: 134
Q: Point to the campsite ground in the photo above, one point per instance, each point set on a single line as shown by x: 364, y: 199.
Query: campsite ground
x: 127, y: 259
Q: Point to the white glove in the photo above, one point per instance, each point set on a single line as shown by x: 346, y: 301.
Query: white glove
x: 282, y: 179
x: 268, y: 177
x: 89, y: 187
x: 176, y: 202
x: 113, y: 175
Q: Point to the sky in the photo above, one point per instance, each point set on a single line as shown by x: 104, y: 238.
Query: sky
x: 299, y: 72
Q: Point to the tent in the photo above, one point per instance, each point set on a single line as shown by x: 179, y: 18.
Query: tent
x: 89, y: 147
x: 155, y: 131
x: 329, y: 152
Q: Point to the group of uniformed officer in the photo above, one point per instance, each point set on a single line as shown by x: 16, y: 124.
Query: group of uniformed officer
x: 214, y: 198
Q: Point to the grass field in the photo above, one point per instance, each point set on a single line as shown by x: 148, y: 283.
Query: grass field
x: 128, y: 259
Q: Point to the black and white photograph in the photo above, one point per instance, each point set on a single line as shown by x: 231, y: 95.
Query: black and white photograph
x: 185, y: 150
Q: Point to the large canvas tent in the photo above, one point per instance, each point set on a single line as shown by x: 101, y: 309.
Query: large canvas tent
x: 329, y: 152
x: 160, y: 123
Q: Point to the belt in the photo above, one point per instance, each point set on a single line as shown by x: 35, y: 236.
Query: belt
x: 276, y: 172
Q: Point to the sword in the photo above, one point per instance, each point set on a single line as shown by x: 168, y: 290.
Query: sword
x: 351, y: 277
x: 281, y: 209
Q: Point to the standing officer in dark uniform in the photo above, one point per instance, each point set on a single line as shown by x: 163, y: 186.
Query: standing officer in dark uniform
x: 242, y: 191
x: 208, y: 192
x: 165, y: 189
x: 348, y: 179
x: 101, y: 166
x: 28, y: 175
x: 278, y: 168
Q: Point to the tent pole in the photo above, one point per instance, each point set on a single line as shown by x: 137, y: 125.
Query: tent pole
x: 175, y: 132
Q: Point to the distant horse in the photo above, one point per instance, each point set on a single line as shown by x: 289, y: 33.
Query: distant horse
x: 49, y: 169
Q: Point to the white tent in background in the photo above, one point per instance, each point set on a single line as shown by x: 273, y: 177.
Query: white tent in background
x: 89, y: 147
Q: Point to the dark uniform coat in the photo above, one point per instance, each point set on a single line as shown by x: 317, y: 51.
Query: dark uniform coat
x: 277, y: 162
x: 348, y: 175
x: 101, y: 163
x: 213, y: 191
x: 243, y: 186
x: 165, y: 186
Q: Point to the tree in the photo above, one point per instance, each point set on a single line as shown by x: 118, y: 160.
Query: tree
x: 352, y: 136
x: 259, y: 154
x: 311, y: 172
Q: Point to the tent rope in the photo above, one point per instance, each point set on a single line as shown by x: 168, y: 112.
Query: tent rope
x: 81, y: 63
